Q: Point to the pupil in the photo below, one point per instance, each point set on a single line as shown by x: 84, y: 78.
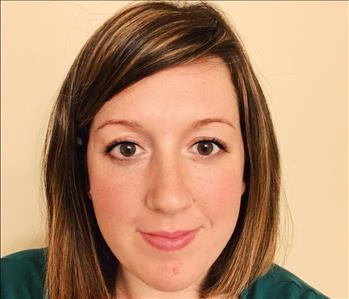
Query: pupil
x: 127, y: 149
x: 205, y: 148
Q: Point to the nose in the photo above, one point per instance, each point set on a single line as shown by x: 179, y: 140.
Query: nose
x: 167, y: 192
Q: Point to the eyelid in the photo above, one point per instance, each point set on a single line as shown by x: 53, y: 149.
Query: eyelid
x: 111, y: 145
x: 220, y: 143
x: 116, y: 142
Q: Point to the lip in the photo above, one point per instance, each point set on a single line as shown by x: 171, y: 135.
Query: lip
x: 167, y: 241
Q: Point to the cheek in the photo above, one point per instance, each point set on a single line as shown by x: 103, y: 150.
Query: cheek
x: 118, y: 195
x: 220, y: 194
x: 115, y: 199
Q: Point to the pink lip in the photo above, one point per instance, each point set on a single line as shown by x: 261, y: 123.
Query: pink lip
x: 169, y: 241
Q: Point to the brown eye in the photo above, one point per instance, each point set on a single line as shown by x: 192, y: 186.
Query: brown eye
x: 127, y: 149
x: 210, y: 147
x: 123, y: 150
x: 205, y: 147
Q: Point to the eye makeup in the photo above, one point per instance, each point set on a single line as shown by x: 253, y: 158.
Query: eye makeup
x: 218, y: 142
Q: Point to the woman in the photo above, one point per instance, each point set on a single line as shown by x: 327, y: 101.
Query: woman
x: 161, y: 169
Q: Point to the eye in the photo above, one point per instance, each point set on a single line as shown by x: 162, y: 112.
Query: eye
x: 211, y: 146
x: 125, y: 150
x: 122, y: 149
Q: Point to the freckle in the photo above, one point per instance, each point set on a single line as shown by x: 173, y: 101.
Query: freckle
x: 175, y: 270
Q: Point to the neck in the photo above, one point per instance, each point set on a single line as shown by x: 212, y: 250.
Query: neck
x: 124, y: 294
x: 130, y: 287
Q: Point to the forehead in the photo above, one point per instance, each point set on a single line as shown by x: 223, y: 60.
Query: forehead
x: 178, y: 94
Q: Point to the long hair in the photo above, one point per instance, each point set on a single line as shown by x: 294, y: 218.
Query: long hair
x: 138, y: 41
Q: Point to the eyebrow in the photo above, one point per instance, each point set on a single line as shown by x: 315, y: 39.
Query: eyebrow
x: 135, y: 125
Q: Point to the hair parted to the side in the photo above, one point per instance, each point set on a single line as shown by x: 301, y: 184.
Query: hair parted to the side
x: 138, y: 41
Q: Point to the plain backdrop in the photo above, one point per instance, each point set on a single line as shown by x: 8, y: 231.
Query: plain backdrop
x: 300, y: 54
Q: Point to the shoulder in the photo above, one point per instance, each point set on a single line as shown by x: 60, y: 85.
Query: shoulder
x: 22, y: 274
x: 280, y: 283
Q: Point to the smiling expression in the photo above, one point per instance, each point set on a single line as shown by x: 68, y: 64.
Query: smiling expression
x: 165, y: 164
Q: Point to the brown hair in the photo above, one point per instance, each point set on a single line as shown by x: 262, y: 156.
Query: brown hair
x: 137, y: 42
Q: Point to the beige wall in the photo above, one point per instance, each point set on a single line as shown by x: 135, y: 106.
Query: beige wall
x: 299, y: 50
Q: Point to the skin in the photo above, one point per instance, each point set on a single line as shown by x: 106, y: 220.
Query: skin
x: 168, y: 184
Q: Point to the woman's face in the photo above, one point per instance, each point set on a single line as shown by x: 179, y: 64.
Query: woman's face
x: 165, y: 163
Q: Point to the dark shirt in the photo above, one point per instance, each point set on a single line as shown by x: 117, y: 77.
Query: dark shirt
x: 22, y: 277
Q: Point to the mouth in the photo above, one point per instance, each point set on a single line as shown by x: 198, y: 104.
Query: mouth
x: 167, y: 241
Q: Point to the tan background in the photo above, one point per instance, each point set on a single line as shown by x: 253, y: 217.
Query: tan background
x: 299, y: 50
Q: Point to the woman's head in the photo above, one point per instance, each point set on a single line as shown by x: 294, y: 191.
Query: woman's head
x: 166, y: 156
x: 164, y: 66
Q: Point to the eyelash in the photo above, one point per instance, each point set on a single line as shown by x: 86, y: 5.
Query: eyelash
x: 221, y: 144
